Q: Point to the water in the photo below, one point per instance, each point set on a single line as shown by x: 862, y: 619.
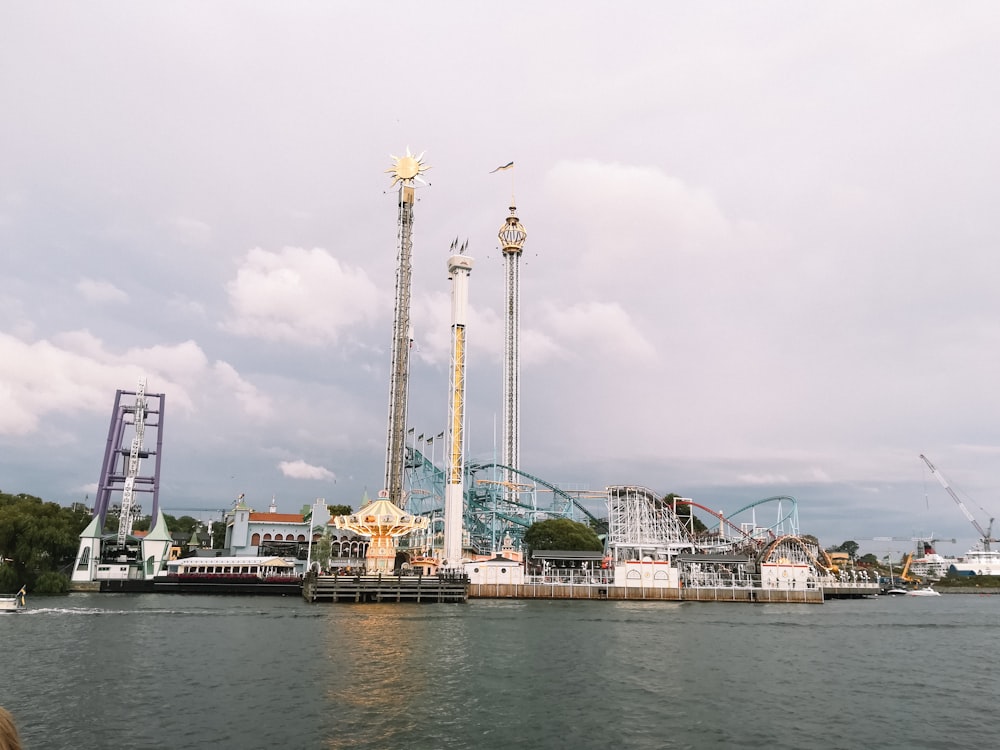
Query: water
x: 171, y: 671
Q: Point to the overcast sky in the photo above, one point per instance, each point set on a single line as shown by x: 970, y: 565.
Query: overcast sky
x: 762, y: 252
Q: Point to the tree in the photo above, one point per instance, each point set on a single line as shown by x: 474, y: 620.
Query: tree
x: 563, y: 534
x: 850, y: 547
x: 182, y: 525
x: 36, y: 538
x: 599, y: 525
x: 323, y: 550
x: 341, y: 510
x: 870, y: 560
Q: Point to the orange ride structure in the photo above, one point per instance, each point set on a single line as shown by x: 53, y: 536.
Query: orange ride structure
x: 383, y: 522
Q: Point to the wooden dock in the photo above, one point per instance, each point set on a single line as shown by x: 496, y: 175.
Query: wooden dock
x: 433, y: 589
x: 638, y: 593
x: 384, y: 588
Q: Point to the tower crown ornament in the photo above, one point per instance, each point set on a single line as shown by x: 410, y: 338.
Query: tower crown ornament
x: 512, y: 234
x: 407, y: 169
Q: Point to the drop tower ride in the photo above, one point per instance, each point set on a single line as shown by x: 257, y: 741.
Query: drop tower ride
x: 512, y: 236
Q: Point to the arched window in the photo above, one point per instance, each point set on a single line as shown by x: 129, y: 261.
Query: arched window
x: 255, y: 539
x: 300, y: 537
x: 267, y: 537
x: 278, y: 537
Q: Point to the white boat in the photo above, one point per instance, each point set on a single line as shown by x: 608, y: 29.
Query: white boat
x: 896, y: 591
x: 930, y: 564
x: 926, y: 591
x: 978, y: 562
x: 12, y: 603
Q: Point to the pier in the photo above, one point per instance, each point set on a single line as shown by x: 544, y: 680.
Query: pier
x: 384, y: 588
x: 638, y: 593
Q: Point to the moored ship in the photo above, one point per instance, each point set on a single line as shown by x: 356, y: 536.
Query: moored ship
x: 977, y: 562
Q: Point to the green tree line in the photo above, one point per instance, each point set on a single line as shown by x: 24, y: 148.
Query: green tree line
x: 39, y: 540
x: 38, y: 543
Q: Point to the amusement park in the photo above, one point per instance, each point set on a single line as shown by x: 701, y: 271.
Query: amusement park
x: 444, y: 527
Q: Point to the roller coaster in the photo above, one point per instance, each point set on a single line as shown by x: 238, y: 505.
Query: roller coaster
x: 498, y: 512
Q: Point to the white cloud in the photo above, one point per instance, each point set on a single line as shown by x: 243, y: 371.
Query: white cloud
x: 306, y: 297
x: 191, y: 232
x: 253, y: 403
x: 301, y: 470
x: 100, y: 291
x: 633, y: 213
x: 764, y: 479
x: 598, y: 328
x: 76, y: 373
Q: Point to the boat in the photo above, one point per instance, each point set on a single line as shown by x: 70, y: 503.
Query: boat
x: 896, y: 591
x: 981, y: 561
x: 977, y: 562
x: 13, y: 603
x: 925, y: 591
x: 930, y: 564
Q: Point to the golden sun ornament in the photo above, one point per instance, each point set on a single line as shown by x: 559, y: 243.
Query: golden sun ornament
x: 407, y: 168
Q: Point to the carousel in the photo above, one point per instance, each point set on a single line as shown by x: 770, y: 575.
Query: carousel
x: 383, y: 522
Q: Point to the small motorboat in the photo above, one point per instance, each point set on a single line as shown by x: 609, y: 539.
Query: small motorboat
x: 926, y: 591
x: 895, y: 591
x: 13, y: 603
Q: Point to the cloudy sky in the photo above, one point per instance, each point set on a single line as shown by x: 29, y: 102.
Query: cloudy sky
x: 762, y: 252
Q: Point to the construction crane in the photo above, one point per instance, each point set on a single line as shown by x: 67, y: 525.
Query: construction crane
x: 987, y: 533
x: 931, y: 539
x: 904, y: 573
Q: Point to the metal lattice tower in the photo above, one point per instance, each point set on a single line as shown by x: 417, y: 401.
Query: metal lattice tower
x: 406, y: 170
x: 512, y: 236
x: 120, y: 470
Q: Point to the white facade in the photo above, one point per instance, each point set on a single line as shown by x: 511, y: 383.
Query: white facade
x: 499, y: 570
x: 785, y: 575
x: 649, y: 574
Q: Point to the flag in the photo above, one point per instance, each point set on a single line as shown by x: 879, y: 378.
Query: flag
x: 430, y: 440
x: 440, y: 436
x: 410, y: 431
x: 508, y: 165
x: 420, y: 438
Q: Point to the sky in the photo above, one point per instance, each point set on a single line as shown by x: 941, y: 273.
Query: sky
x: 761, y: 255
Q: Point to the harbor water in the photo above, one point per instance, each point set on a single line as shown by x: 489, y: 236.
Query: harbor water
x: 176, y: 671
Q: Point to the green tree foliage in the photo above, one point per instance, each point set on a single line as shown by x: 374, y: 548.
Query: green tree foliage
x: 341, y: 510
x: 323, y: 550
x: 564, y: 534
x: 850, y: 547
x: 36, y: 537
x: 599, y: 525
x: 51, y: 582
x: 182, y: 525
x: 868, y: 559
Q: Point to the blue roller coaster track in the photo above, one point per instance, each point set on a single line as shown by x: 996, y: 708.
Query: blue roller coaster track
x: 496, y: 512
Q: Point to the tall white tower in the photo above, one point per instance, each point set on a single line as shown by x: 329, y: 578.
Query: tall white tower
x: 459, y: 269
x: 512, y: 236
x: 405, y: 171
